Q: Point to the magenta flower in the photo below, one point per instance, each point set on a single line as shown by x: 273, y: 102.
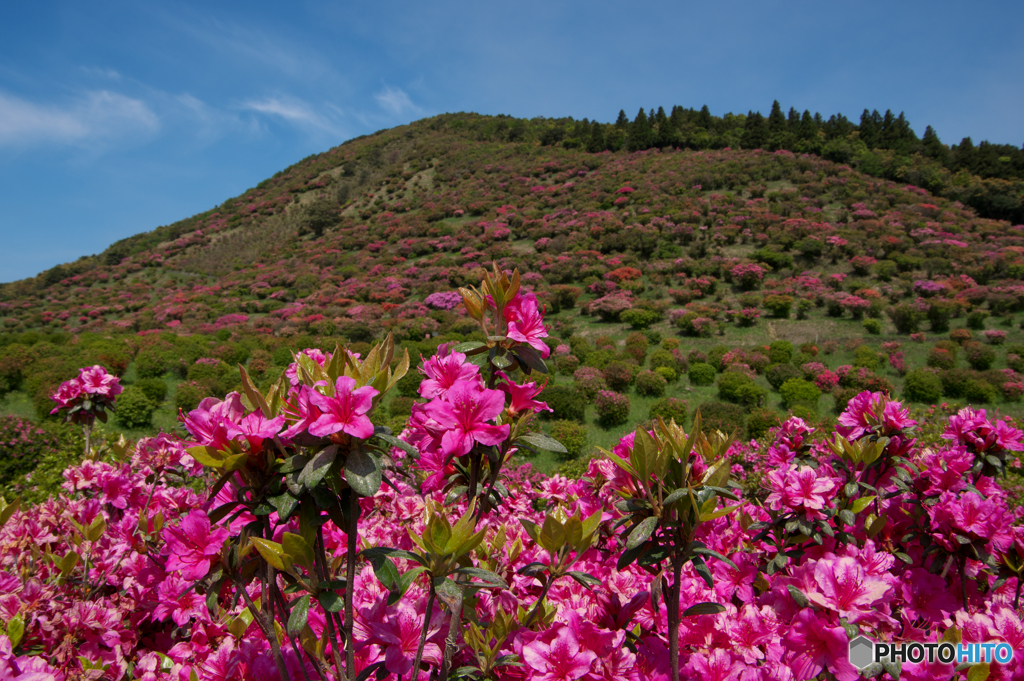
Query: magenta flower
x: 526, y: 322
x: 443, y: 370
x: 192, y: 545
x: 816, y: 646
x: 846, y: 588
x: 96, y: 381
x: 521, y: 396
x: 256, y: 428
x: 400, y: 634
x: 68, y: 392
x: 464, y: 414
x: 556, y: 656
x: 804, y: 490
x: 346, y: 411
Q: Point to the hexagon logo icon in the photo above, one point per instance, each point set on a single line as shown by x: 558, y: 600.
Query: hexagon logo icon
x: 862, y: 652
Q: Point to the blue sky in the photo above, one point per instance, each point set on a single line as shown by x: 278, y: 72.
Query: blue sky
x: 118, y: 117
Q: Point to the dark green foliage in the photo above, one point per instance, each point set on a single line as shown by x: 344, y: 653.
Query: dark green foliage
x: 620, y: 375
x: 715, y: 356
x: 976, y: 391
x: 573, y: 436
x: 777, y: 374
x: 566, y: 364
x: 639, y: 318
x: 150, y: 364
x: 921, y: 385
x: 734, y: 386
x: 318, y: 216
x: 979, y: 356
x: 723, y: 416
x: 941, y: 358
x: 976, y: 319
x: 409, y: 385
x: 905, y: 318
x: 401, y: 406
x: 650, y: 384
x: 797, y: 391
x: 188, y: 396
x: 772, y: 258
x: 702, y: 374
x: 134, y: 410
x: 939, y: 313
x: 872, y: 326
x: 779, y: 305
x: 780, y: 352
x: 669, y: 408
x: 760, y: 421
x: 566, y: 404
x: 154, y: 388
x: 865, y: 356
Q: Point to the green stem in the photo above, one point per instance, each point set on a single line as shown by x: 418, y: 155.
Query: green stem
x: 423, y: 633
x: 350, y: 578
x: 540, y: 599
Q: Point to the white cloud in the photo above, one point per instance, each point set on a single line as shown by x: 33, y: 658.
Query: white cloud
x: 395, y: 101
x: 97, y: 116
x: 296, y: 112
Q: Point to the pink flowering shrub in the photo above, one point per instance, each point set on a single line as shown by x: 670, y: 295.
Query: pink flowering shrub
x: 293, y: 537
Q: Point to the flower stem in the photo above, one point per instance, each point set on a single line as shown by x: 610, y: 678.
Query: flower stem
x: 423, y: 633
x: 322, y: 564
x: 672, y: 605
x: 350, y: 578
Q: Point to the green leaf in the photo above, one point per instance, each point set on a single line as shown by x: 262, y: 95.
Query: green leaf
x: 221, y: 512
x: 298, y: 548
x: 860, y: 504
x: 469, y: 346
x: 642, y: 532
x: 403, y: 584
x: 315, y: 470
x: 270, y: 551
x: 501, y: 362
x: 7, y: 510
x: 15, y: 630
x: 702, y: 569
x: 395, y: 442
x: 674, y: 497
x: 371, y: 554
x: 529, y: 357
x: 705, y: 551
x: 386, y: 571
x: 542, y: 441
x: 298, y: 617
x: 330, y: 601
x: 978, y: 672
x: 798, y: 596
x: 628, y: 556
x: 583, y: 579
x: 486, y: 576
x: 703, y: 609
x: 363, y: 472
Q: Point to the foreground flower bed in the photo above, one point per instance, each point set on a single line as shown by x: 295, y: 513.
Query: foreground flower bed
x: 293, y: 538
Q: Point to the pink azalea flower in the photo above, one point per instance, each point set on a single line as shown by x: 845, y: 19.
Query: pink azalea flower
x: 556, y: 656
x: 844, y: 587
x: 464, y: 415
x: 67, y: 392
x: 192, y: 545
x: 400, y: 634
x: 526, y: 322
x: 521, y: 396
x: 717, y: 665
x: 96, y: 381
x: 346, y: 411
x: 179, y: 602
x: 817, y: 646
x: 256, y: 428
x: 804, y: 490
x: 443, y: 370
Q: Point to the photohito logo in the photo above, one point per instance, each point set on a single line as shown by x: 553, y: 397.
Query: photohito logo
x: 864, y: 652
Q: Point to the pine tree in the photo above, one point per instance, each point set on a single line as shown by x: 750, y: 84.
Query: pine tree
x: 776, y: 121
x: 596, y: 142
x: 793, y: 122
x: 870, y: 128
x: 755, y: 131
x: 808, y: 128
x: 641, y: 136
x: 932, y: 146
x: 705, y: 118
x: 621, y: 122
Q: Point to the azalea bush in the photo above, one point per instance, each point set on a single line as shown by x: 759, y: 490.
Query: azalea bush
x: 291, y: 536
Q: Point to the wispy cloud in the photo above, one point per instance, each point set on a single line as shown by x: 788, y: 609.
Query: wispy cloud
x: 296, y: 113
x: 396, y: 102
x: 97, y: 116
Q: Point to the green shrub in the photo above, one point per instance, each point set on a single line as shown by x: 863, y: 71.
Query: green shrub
x: 941, y: 358
x: 905, y: 318
x: 702, y: 374
x: 599, y: 359
x: 780, y: 352
x: 43, y: 449
x: 979, y: 392
x: 723, y: 416
x: 939, y: 313
x: 588, y: 381
x: 740, y: 388
x: 400, y: 406
x: 872, y: 326
x: 188, y: 395
x: 639, y: 318
x: 282, y: 356
x: 976, y: 320
x: 566, y: 404
x: 154, y: 388
x: 778, y: 374
x: 620, y: 375
x: 842, y: 397
x: 612, y: 408
x: 668, y: 373
x: 921, y: 385
x: 981, y: 357
x: 150, y: 364
x: 650, y: 384
x: 134, y: 410
x: 566, y: 364
x: 760, y: 421
x: 866, y: 357
x: 662, y: 358
x: 779, y: 305
x: 409, y: 385
x: 797, y: 391
x: 669, y: 408
x: 573, y: 436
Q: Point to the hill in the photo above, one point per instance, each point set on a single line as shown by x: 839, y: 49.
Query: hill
x: 728, y: 251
